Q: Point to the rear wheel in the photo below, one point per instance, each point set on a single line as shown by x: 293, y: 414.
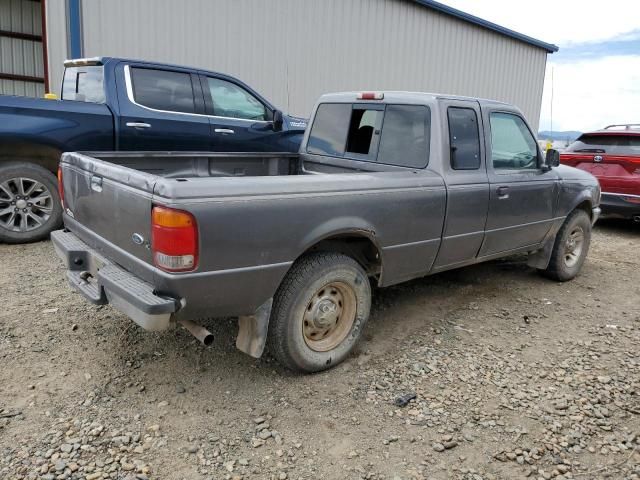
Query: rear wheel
x: 319, y: 312
x: 29, y: 203
x: 570, y: 247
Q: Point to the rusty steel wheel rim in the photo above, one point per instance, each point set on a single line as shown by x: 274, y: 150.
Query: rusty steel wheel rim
x: 573, y: 247
x: 329, y: 316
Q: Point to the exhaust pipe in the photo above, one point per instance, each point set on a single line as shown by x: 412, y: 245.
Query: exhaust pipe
x: 202, y: 334
x: 636, y: 218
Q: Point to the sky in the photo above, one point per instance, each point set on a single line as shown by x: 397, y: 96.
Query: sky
x: 596, y: 72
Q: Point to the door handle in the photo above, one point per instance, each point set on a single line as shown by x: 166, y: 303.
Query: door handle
x: 503, y: 192
x: 138, y: 125
x: 224, y: 130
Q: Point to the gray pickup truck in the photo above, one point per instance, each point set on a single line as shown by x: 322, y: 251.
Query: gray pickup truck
x: 387, y: 187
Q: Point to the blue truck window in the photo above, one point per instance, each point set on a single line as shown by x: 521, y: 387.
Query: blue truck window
x: 83, y: 84
x: 231, y: 100
x: 328, y: 134
x: 163, y: 90
x: 406, y: 134
x: 464, y: 138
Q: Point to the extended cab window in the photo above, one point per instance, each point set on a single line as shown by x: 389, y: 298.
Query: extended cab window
x: 83, y: 84
x: 163, y: 90
x: 231, y: 100
x: 464, y: 138
x: 406, y: 135
x: 512, y: 145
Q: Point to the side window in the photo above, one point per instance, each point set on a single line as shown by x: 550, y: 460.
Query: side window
x: 512, y: 145
x: 406, y: 135
x: 362, y: 127
x: 163, y: 90
x: 464, y: 138
x: 328, y: 134
x: 83, y: 84
x: 231, y: 100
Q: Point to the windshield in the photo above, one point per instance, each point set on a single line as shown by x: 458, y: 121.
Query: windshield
x: 611, y: 144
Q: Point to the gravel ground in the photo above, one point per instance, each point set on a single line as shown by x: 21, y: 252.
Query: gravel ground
x: 514, y: 376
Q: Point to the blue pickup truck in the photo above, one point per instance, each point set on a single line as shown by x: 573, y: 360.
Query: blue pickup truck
x: 118, y: 104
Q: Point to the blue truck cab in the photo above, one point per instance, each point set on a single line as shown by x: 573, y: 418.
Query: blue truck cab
x: 110, y: 104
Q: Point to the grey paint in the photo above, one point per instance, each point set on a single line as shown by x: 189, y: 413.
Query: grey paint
x: 18, y: 56
x: 251, y: 229
x: 293, y: 51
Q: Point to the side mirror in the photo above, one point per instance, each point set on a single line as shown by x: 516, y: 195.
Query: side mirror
x: 551, y: 159
x: 277, y: 120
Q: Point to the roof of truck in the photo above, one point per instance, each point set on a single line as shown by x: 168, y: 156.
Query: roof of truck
x: 390, y: 95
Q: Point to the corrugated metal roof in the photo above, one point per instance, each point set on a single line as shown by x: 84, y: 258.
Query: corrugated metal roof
x: 439, y: 7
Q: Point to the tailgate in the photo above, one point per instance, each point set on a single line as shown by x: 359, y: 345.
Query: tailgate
x: 616, y: 173
x: 109, y: 207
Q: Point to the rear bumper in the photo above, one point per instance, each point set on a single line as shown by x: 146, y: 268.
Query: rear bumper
x: 620, y: 205
x: 101, y: 281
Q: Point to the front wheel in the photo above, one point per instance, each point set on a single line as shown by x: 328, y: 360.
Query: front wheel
x: 570, y: 247
x: 319, y: 312
x: 29, y: 203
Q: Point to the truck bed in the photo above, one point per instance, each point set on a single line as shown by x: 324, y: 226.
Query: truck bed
x: 256, y: 213
x: 204, y: 164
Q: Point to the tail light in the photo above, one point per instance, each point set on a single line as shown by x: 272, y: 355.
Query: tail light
x: 370, y: 96
x: 174, y: 239
x: 60, y: 186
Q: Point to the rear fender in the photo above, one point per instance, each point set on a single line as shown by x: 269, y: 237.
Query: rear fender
x: 46, y: 156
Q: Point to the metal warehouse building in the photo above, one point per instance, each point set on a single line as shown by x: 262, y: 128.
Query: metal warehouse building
x: 290, y: 50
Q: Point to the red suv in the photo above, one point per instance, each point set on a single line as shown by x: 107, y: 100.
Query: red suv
x: 612, y: 155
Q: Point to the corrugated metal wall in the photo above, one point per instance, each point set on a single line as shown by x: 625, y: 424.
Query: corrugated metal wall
x: 21, y: 56
x: 294, y: 50
x: 56, y: 41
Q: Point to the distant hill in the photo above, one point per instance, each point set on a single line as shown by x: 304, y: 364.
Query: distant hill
x: 562, y: 136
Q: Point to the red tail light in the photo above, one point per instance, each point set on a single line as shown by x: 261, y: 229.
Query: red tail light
x: 370, y: 96
x: 60, y: 186
x: 174, y: 239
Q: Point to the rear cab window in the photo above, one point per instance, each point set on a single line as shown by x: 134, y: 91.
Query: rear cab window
x: 611, y: 143
x: 84, y: 84
x: 383, y: 133
x: 163, y: 90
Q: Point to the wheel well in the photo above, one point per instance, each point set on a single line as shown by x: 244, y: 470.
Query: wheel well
x: 358, y: 247
x: 585, y: 206
x: 42, y: 155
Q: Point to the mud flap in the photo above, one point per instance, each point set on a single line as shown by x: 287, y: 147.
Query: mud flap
x: 540, y: 259
x: 252, y: 331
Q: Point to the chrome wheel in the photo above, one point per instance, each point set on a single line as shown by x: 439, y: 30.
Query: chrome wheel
x: 329, y: 316
x: 25, y: 204
x: 573, y: 247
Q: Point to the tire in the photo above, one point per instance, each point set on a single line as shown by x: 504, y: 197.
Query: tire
x: 29, y: 203
x: 570, y: 247
x: 322, y: 290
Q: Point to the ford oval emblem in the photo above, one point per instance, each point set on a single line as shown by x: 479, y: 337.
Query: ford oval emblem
x: 137, y: 239
x: 597, y: 158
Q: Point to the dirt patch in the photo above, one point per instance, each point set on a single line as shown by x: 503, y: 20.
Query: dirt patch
x: 514, y: 376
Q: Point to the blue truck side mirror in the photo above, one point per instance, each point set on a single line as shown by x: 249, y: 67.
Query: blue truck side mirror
x: 277, y: 120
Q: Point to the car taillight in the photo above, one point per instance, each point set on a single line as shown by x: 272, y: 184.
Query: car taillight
x: 370, y: 96
x: 60, y: 186
x: 174, y: 239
